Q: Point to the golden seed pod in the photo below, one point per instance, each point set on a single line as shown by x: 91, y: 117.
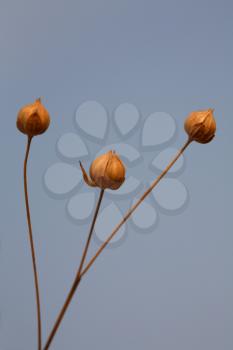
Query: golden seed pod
x: 106, y: 171
x: 33, y: 119
x: 201, y: 126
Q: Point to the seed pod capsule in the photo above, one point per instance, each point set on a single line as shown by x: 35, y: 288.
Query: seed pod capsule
x: 106, y: 171
x: 201, y: 126
x: 33, y: 119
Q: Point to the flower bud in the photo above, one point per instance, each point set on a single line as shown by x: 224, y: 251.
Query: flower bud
x: 106, y: 171
x: 201, y: 126
x: 33, y: 119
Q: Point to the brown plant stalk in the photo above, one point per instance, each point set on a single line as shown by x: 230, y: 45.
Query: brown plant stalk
x: 134, y: 207
x: 36, y: 282
x: 78, y: 275
x: 81, y: 272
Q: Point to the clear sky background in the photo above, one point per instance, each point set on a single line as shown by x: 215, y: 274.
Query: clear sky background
x: 169, y: 290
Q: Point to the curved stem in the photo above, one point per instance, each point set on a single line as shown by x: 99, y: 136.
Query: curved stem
x: 125, y: 218
x: 32, y: 245
x: 134, y: 207
x: 77, y: 277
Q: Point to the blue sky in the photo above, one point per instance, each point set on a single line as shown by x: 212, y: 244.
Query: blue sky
x: 171, y: 289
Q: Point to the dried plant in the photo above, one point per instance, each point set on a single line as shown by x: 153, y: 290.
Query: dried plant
x: 200, y: 127
x: 33, y: 120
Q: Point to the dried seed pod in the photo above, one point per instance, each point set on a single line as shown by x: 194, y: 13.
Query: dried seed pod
x: 201, y: 126
x: 33, y: 119
x: 106, y: 171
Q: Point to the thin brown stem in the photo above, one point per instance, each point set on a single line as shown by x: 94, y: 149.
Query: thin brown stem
x: 32, y: 246
x: 125, y: 218
x: 134, y: 207
x: 77, y: 277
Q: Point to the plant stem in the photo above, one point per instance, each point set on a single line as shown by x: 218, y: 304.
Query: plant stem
x: 125, y: 218
x: 32, y: 245
x: 134, y: 207
x: 77, y: 277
